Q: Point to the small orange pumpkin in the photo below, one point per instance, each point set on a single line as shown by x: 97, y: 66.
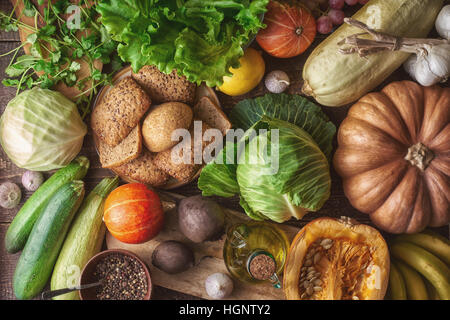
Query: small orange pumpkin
x: 133, y: 213
x: 394, y: 156
x: 289, y: 31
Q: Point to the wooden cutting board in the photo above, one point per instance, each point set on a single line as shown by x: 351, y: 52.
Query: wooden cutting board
x: 69, y: 92
x: 208, y: 257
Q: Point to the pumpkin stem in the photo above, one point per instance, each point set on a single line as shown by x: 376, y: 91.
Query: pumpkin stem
x: 299, y: 31
x: 420, y: 156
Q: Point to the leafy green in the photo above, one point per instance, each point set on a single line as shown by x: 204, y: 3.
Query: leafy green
x: 219, y: 178
x: 299, y: 181
x: 302, y: 182
x: 41, y: 130
x: 56, y: 46
x: 292, y: 108
x: 200, y: 39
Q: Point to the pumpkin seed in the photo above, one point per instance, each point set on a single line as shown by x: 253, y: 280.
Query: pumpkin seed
x: 317, y: 257
x: 317, y: 288
x: 308, y: 263
x: 355, y: 298
x: 304, y: 295
x: 310, y: 269
x: 317, y: 282
x: 325, y: 242
x: 309, y: 290
x: 328, y: 246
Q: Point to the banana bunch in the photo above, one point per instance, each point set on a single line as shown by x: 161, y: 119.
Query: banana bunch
x: 420, y: 267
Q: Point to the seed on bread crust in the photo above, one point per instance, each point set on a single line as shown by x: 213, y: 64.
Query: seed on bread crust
x: 143, y: 170
x: 163, y: 87
x: 120, y: 111
x: 129, y: 149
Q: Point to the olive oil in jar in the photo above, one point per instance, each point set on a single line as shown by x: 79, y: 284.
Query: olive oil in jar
x: 255, y: 252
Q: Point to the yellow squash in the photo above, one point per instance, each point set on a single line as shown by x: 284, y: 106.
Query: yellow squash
x: 335, y: 79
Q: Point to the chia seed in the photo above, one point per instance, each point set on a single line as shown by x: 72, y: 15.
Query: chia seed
x: 123, y: 277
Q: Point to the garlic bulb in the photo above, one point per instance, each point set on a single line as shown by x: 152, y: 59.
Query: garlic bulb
x: 277, y: 81
x: 410, y: 66
x: 443, y: 22
x: 433, y: 64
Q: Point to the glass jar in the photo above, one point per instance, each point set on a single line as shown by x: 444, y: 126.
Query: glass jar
x: 255, y: 252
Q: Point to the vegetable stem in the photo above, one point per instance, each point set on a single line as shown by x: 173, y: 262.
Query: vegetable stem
x: 382, y: 41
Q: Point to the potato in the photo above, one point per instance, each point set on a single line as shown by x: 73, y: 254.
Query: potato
x: 200, y: 219
x: 161, y: 121
x: 173, y: 257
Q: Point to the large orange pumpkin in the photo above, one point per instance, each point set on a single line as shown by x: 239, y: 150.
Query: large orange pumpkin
x: 289, y: 31
x: 133, y: 213
x: 394, y: 156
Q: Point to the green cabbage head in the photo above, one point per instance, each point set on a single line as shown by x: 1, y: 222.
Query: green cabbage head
x: 41, y: 130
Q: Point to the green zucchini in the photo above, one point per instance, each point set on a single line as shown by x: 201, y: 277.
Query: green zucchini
x: 46, y: 239
x: 84, y: 240
x: 21, y: 226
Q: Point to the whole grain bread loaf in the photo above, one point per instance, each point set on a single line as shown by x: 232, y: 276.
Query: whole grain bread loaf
x: 120, y: 111
x: 127, y: 150
x: 178, y: 169
x: 163, y: 87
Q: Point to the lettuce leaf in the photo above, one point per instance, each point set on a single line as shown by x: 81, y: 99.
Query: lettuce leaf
x: 200, y: 39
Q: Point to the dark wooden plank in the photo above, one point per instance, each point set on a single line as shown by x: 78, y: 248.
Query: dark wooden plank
x: 7, y: 264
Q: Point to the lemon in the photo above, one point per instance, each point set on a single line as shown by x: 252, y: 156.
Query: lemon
x: 247, y: 76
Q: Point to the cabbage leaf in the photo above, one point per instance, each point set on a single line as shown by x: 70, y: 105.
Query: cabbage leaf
x: 41, y: 130
x: 292, y: 108
x: 302, y: 182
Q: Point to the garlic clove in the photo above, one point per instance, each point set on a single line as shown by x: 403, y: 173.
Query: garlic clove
x: 433, y: 64
x: 439, y: 59
x: 443, y: 22
x: 410, y: 66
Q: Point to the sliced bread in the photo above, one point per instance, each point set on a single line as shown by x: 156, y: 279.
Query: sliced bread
x: 207, y: 111
x: 120, y: 111
x: 129, y: 149
x: 143, y: 170
x: 163, y: 87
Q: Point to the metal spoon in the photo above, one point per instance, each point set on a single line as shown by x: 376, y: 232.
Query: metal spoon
x: 47, y: 295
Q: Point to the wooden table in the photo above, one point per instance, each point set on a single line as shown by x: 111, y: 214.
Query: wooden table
x: 336, y: 206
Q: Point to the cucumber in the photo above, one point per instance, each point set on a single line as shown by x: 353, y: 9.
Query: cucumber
x: 21, y: 226
x: 39, y: 255
x: 84, y: 240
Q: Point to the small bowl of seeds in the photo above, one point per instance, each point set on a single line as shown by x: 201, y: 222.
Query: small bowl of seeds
x: 121, y: 274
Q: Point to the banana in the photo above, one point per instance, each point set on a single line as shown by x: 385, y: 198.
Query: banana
x: 431, y: 267
x: 432, y: 242
x: 432, y: 293
x: 397, y: 288
x: 415, y: 286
